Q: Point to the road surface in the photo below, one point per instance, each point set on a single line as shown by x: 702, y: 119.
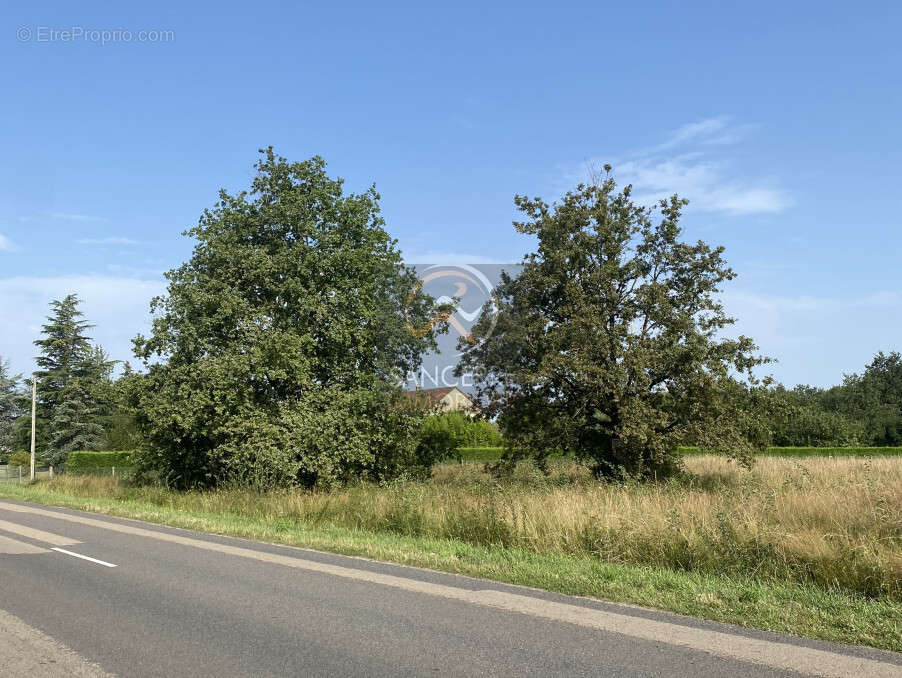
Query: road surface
x: 90, y: 595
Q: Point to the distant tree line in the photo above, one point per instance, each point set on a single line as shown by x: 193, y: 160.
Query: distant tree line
x: 276, y: 356
x: 866, y: 409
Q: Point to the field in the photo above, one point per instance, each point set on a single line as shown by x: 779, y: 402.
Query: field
x: 809, y: 545
x: 494, y: 453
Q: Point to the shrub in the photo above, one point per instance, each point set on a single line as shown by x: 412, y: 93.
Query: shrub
x: 490, y: 453
x: 20, y: 458
x: 323, y: 439
x: 812, y: 426
x: 442, y: 434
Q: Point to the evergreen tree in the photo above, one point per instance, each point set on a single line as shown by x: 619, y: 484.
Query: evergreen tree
x: 9, y: 406
x: 65, y: 351
x: 74, y: 380
x: 75, y: 424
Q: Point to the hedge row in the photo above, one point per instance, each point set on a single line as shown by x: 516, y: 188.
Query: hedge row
x: 480, y: 453
x: 814, y: 451
x: 81, y: 459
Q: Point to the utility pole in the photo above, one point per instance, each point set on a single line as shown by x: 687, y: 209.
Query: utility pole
x: 34, y: 400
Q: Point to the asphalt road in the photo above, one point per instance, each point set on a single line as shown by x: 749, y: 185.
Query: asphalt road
x: 156, y: 601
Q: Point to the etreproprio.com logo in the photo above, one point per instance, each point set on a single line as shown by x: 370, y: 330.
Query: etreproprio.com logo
x: 472, y: 286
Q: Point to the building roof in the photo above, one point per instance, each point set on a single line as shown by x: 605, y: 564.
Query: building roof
x: 436, y: 394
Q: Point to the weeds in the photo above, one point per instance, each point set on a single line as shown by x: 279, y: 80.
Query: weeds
x: 836, y: 523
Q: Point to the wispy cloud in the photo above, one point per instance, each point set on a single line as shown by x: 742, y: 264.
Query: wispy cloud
x: 6, y: 245
x: 710, y: 130
x: 695, y: 162
x: 112, y: 240
x: 69, y: 216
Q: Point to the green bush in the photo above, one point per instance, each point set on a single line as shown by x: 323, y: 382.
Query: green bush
x: 442, y: 434
x: 811, y: 451
x: 325, y: 438
x: 487, y: 453
x: 81, y: 459
x: 22, y: 459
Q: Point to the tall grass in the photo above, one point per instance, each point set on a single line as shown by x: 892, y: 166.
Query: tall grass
x: 833, y: 522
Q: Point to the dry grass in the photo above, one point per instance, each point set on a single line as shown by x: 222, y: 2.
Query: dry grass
x: 833, y: 522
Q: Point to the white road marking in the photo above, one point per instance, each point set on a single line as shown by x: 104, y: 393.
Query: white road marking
x: 10, y: 546
x: 37, y: 535
x: 806, y: 660
x: 78, y: 555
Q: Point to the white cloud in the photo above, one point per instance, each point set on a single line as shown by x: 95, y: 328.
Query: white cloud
x: 119, y: 307
x: 710, y: 128
x: 6, y: 244
x: 694, y: 162
x: 113, y: 240
x: 69, y: 216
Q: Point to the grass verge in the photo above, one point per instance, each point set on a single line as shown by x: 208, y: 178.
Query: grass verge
x: 788, y: 607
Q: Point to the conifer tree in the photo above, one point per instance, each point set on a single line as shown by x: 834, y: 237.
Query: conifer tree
x: 75, y: 424
x: 73, y: 377
x: 9, y: 406
x: 65, y: 350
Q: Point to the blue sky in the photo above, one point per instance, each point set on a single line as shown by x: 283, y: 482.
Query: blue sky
x: 779, y: 121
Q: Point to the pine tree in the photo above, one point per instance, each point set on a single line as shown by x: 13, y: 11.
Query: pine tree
x: 65, y: 351
x: 75, y: 424
x: 73, y: 382
x: 9, y: 406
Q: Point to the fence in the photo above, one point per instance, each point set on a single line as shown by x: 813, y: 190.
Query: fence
x: 22, y: 474
x: 112, y: 471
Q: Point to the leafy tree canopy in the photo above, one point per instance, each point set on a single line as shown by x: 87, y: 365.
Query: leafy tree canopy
x: 607, y: 344
x: 866, y: 409
x: 280, y: 337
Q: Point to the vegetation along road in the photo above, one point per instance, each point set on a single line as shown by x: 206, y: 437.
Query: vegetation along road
x: 175, y: 602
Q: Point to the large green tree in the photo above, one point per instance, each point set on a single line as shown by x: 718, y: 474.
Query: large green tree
x: 608, y: 342
x: 73, y: 377
x: 275, y: 355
